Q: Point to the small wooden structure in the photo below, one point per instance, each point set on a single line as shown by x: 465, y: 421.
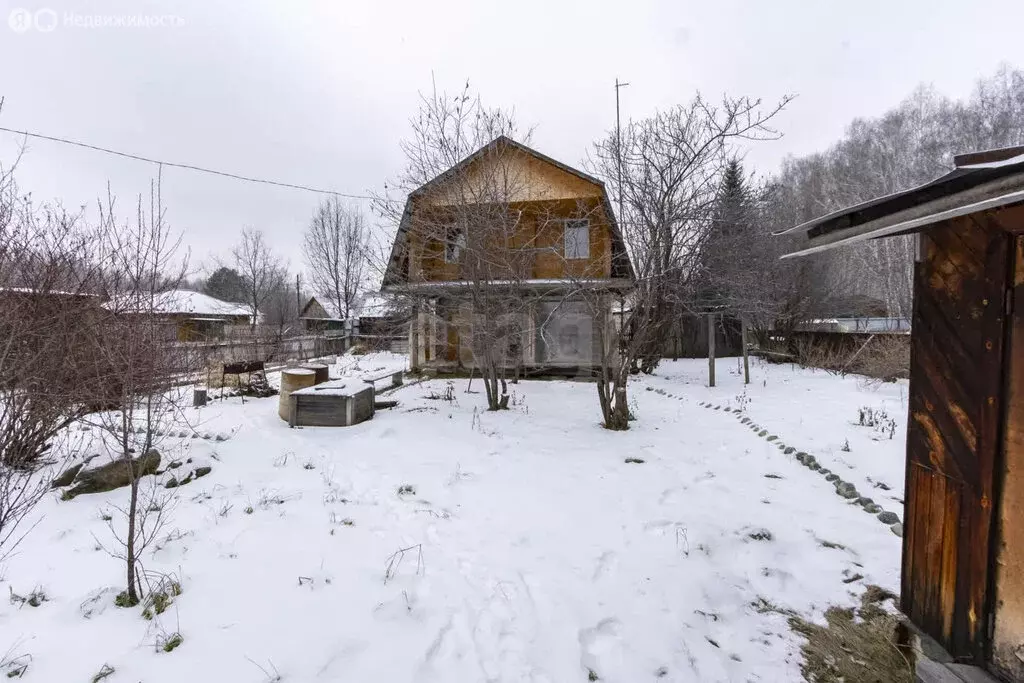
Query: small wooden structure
x: 396, y: 377
x: 338, y: 403
x: 292, y: 379
x: 245, y: 367
x: 963, y: 541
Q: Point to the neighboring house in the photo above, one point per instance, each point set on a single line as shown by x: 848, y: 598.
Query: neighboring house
x: 321, y: 315
x: 563, y: 257
x: 375, y: 321
x: 381, y: 323
x: 190, y: 316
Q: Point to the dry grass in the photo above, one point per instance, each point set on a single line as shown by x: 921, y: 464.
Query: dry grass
x: 855, y: 646
x: 886, y: 357
x: 820, y: 354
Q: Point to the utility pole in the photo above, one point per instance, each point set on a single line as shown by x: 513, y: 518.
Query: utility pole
x: 618, y: 141
x: 298, y: 298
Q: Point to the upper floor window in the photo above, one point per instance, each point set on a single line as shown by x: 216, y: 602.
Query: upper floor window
x: 454, y: 244
x: 577, y: 239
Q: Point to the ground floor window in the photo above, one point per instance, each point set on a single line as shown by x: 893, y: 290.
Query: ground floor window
x: 565, y: 333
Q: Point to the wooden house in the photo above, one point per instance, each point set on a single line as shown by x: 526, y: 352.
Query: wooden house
x: 188, y: 316
x: 376, y: 322
x: 511, y: 253
x: 963, y: 532
x: 320, y: 315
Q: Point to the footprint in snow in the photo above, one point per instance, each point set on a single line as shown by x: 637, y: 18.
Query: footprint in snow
x: 599, y: 645
x: 606, y: 565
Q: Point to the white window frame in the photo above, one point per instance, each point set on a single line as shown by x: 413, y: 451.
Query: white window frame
x: 580, y: 249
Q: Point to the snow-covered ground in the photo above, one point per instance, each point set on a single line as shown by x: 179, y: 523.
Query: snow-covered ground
x: 814, y: 411
x: 532, y: 550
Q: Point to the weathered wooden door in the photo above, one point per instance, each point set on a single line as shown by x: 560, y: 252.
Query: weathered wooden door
x: 953, y: 431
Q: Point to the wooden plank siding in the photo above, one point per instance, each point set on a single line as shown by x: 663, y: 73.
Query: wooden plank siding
x: 535, y: 248
x: 953, y: 436
x: 1008, y: 634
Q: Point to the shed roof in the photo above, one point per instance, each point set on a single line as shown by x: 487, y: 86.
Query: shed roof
x: 178, y: 302
x: 981, y: 180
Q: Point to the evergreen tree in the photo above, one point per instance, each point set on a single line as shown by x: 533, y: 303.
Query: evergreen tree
x: 732, y: 214
x: 225, y: 284
x: 727, y: 248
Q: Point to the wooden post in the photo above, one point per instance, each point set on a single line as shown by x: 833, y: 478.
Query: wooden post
x: 414, y: 342
x: 711, y: 349
x: 746, y: 356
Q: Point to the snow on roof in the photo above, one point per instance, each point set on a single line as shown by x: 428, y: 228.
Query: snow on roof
x: 178, y: 301
x: 374, y: 306
x: 43, y: 292
x: 368, y: 306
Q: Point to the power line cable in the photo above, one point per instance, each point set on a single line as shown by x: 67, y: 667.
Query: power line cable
x: 189, y: 167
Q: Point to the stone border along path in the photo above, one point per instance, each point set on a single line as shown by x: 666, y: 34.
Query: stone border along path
x: 844, y: 489
x: 182, y: 434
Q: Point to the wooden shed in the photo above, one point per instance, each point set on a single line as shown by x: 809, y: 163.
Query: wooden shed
x: 963, y: 544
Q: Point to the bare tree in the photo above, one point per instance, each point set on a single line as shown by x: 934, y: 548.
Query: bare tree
x: 335, y: 248
x: 49, y: 274
x: 465, y: 226
x: 141, y: 365
x: 280, y: 312
x: 262, y: 271
x: 672, y: 164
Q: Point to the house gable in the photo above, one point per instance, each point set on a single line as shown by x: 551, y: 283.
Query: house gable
x: 543, y: 191
x: 321, y: 310
x: 313, y: 309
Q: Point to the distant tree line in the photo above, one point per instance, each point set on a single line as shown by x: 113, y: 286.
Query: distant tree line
x: 912, y: 144
x: 700, y: 227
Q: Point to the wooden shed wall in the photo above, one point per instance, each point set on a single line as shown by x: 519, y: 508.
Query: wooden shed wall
x: 954, y: 431
x: 1008, y: 635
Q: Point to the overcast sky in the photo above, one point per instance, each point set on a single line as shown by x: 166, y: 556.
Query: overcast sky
x: 320, y: 93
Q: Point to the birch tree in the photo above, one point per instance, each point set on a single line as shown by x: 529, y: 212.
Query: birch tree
x: 907, y: 146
